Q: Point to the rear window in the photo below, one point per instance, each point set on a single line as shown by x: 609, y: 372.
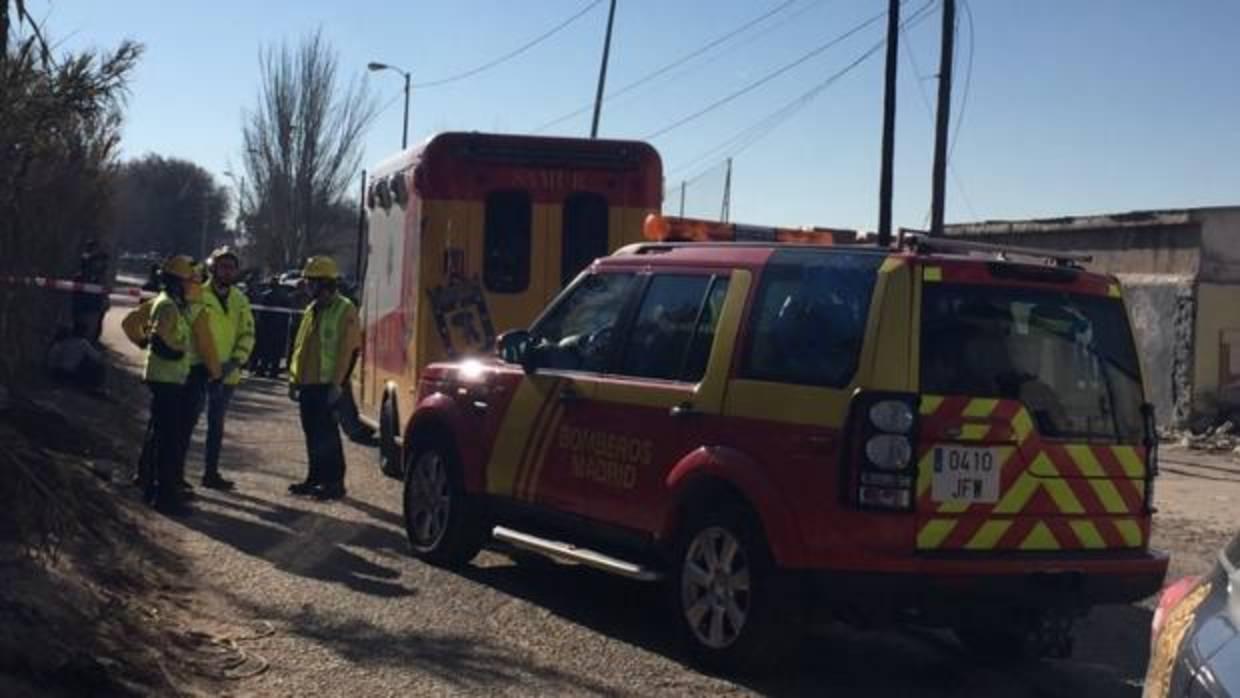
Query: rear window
x: 1068, y: 357
x: 506, y: 242
x: 810, y: 317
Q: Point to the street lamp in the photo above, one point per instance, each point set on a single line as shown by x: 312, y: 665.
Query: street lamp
x: 404, y: 134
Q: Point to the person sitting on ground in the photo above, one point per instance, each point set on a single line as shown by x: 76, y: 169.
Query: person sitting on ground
x: 73, y: 359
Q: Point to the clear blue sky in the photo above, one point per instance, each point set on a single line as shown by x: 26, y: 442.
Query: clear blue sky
x: 1075, y: 107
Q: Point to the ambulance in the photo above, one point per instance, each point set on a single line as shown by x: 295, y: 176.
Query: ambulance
x: 472, y: 233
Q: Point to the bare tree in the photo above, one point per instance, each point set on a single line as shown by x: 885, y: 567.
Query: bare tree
x: 302, y: 147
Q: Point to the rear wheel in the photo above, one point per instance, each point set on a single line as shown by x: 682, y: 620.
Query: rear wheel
x: 444, y: 525
x: 389, y: 451
x: 735, y: 611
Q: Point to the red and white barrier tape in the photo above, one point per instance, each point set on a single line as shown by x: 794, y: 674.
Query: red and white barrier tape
x: 110, y: 292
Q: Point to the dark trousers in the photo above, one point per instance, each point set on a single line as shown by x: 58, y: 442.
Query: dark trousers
x: 164, y: 443
x: 195, y: 396
x: 218, y: 397
x: 323, y: 448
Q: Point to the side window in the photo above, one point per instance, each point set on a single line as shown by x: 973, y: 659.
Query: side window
x: 810, y: 318
x: 657, y: 345
x: 577, y: 333
x: 506, y: 241
x: 704, y: 335
x: 584, y: 233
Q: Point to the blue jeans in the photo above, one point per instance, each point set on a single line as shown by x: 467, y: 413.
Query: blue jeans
x: 218, y: 396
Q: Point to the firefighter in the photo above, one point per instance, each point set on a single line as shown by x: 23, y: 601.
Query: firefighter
x: 327, y: 338
x: 165, y: 373
x: 204, y: 366
x: 231, y: 323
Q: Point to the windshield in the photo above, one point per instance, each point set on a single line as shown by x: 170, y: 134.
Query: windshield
x: 1068, y: 357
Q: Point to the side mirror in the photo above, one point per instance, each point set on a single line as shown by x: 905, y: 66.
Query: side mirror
x: 516, y: 347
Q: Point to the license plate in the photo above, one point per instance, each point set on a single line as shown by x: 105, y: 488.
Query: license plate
x: 963, y: 474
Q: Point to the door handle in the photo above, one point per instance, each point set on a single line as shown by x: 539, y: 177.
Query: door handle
x: 684, y: 409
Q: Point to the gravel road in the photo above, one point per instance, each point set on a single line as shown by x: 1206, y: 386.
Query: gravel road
x: 354, y: 615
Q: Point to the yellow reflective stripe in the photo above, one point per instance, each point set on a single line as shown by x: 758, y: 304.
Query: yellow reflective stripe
x: 981, y: 407
x: 989, y: 534
x: 1022, y: 425
x: 534, y: 470
x: 953, y: 507
x: 925, y: 470
x: 1086, y: 461
x: 974, y: 432
x: 934, y: 533
x: 517, y: 428
x: 1130, y: 531
x: 1017, y: 495
x: 930, y: 404
x: 1040, y: 538
x: 1127, y: 457
x: 932, y: 274
x: 1057, y: 488
x: 1088, y: 534
x: 1110, y: 497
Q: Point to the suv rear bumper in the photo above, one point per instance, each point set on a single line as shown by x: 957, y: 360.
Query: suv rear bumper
x: 947, y: 582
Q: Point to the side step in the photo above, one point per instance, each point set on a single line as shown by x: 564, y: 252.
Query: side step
x: 571, y: 553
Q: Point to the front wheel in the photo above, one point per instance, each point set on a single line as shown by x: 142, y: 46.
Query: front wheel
x: 735, y: 611
x: 443, y: 524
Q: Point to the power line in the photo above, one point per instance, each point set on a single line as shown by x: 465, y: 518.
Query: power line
x: 511, y: 54
x: 669, y: 66
x: 764, y: 79
x: 760, y: 129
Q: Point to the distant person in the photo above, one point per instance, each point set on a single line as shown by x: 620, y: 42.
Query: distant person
x: 73, y: 359
x: 89, y: 307
x: 231, y: 323
x: 326, y: 341
x: 271, y: 328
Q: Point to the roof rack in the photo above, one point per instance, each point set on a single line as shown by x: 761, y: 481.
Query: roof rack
x: 921, y: 243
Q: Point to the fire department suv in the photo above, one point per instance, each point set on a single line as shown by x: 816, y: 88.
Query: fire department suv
x: 786, y: 433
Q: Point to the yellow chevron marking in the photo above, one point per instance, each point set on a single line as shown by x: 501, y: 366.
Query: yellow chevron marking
x: 1017, y: 495
x: 934, y: 533
x: 989, y: 534
x: 1084, y: 458
x: 1040, y: 538
x: 1088, y: 534
x: 930, y: 404
x: 1130, y: 531
x: 974, y: 432
x: 1022, y: 426
x: 1056, y: 487
x: 1127, y: 456
x: 932, y: 274
x: 981, y: 407
x: 1110, y: 497
x: 953, y: 507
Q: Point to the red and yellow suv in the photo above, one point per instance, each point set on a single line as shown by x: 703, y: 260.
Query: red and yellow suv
x: 933, y: 433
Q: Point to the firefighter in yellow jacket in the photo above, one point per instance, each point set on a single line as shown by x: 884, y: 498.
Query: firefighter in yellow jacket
x: 168, y: 339
x: 231, y: 322
x: 326, y: 339
x: 205, y: 371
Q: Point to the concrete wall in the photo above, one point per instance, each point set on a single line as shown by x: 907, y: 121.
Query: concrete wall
x: 1162, y: 316
x: 1220, y: 241
x: 1218, y: 309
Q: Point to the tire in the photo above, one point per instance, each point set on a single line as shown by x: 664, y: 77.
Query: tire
x: 389, y: 451
x: 444, y: 525
x: 736, y: 611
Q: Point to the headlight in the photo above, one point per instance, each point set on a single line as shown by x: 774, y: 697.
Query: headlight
x: 892, y: 416
x: 889, y: 452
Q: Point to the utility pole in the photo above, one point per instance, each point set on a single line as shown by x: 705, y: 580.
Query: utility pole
x: 939, y: 176
x: 205, y: 214
x: 727, y: 194
x: 682, y: 198
x: 602, y: 72
x: 889, y: 124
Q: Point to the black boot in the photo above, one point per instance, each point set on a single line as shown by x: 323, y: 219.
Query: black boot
x: 215, y: 482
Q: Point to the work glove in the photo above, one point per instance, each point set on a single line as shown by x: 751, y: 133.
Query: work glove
x: 334, y: 393
x: 227, y: 368
x: 293, y: 392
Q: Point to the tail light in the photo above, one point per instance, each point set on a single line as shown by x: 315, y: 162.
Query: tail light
x: 883, y: 448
